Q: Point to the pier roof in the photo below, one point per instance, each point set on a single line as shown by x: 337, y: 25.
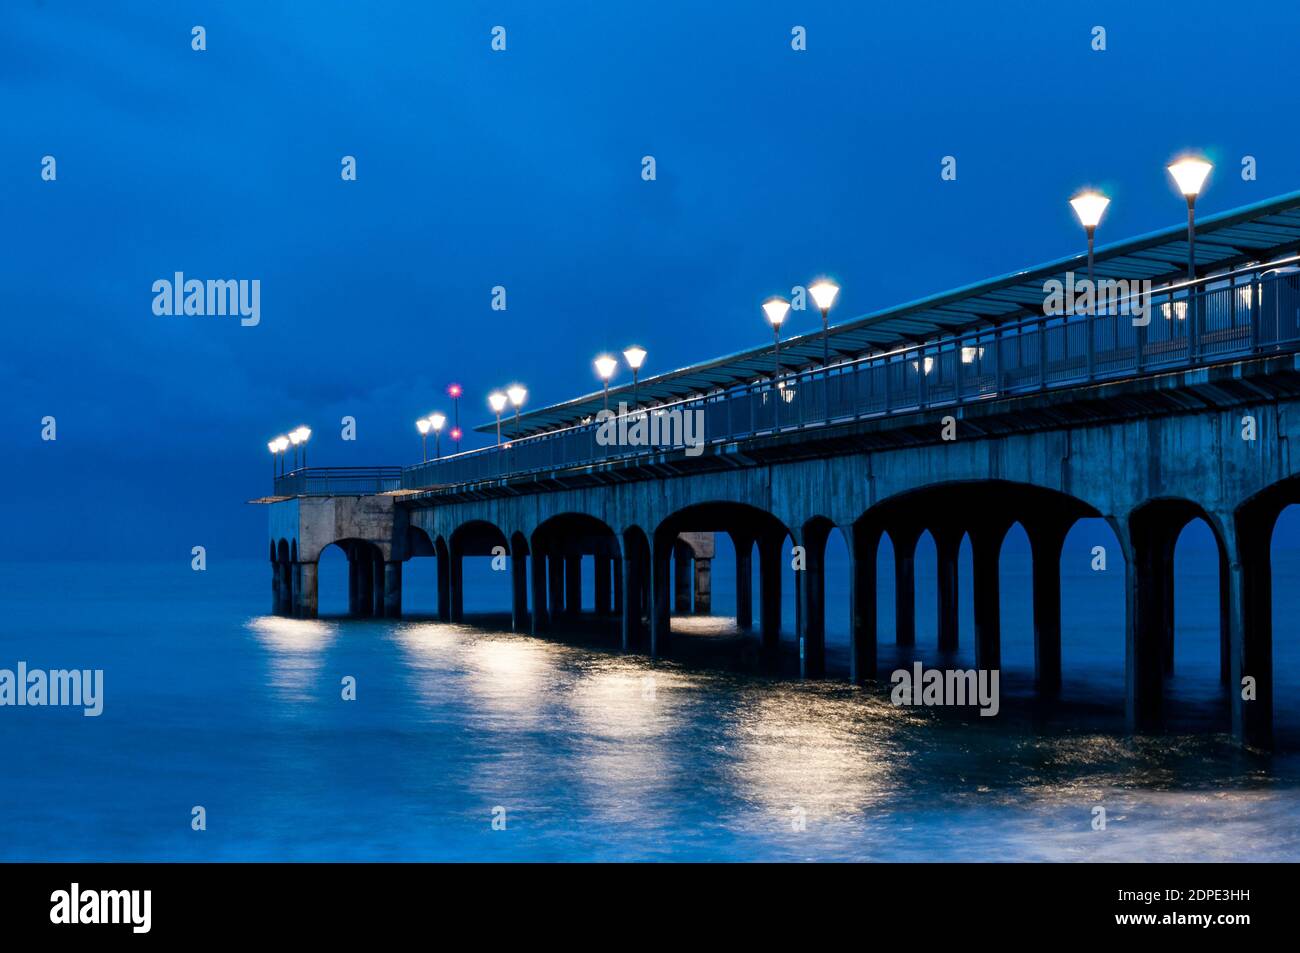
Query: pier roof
x: 1253, y: 233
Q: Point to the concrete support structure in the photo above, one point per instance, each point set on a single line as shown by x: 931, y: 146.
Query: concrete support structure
x: 864, y: 545
x: 631, y: 601
x: 456, y: 581
x: 541, y: 617
x: 602, y: 578
x: 744, y: 547
x: 660, y: 626
x: 812, y: 584
x: 555, y: 585
x: 1039, y: 459
x: 392, y: 590
x: 904, y: 537
x: 1046, y: 538
x: 769, y: 592
x: 682, y: 603
x: 444, y: 582
x: 305, y: 590
x: 986, y: 546
x: 947, y: 544
x: 518, y: 590
x: 572, y: 586
x: 703, y: 586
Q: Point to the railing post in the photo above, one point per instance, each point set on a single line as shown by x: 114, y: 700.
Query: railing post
x: 1194, y: 324
x: 1256, y: 311
x: 1042, y: 354
x: 1090, y: 329
x: 997, y: 361
x: 888, y: 388
x: 923, y: 384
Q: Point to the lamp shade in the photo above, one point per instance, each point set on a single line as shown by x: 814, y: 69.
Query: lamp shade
x: 1089, y: 206
x: 776, y: 308
x: 1190, y: 174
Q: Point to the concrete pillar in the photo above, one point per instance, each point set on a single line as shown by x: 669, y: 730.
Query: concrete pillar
x: 444, y: 585
x: 1144, y: 634
x: 275, y: 587
x: 377, y: 588
x: 601, y: 576
x: 365, y: 585
x: 307, y: 590
x: 904, y: 539
x: 354, y: 584
x: 555, y: 585
x: 573, y: 586
x: 1225, y: 619
x: 393, y: 589
x: 456, y: 583
x: 947, y: 542
x: 1250, y: 588
x: 812, y: 632
x: 1045, y: 543
x: 864, y: 543
x: 630, y: 579
x: 986, y: 546
x: 518, y: 591
x: 703, y: 586
x: 541, y: 618
x: 617, y: 563
x: 682, y: 580
x: 744, y: 583
x: 1167, y: 602
x: 660, y: 628
x: 769, y: 592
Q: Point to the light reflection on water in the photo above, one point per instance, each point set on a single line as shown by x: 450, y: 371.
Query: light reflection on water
x: 594, y: 755
x: 614, y: 756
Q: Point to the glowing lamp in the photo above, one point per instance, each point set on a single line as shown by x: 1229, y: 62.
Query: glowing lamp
x: 823, y: 293
x: 1189, y: 174
x: 605, y: 366
x: 776, y: 309
x: 1089, y: 206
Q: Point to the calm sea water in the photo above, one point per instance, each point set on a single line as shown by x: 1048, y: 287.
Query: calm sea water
x: 598, y: 756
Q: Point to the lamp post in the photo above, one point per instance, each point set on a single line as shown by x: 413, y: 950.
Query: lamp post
x: 303, y: 434
x: 1189, y: 173
x: 1089, y: 206
x: 454, y: 391
x: 823, y: 292
x: 282, y: 444
x: 435, y: 424
x: 776, y: 308
x: 422, y: 425
x: 516, y: 393
x: 635, y: 357
x: 293, y: 441
x: 497, y: 401
x: 605, y: 367
x: 274, y: 447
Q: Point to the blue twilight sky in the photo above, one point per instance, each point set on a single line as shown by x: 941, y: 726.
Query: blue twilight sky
x: 522, y: 169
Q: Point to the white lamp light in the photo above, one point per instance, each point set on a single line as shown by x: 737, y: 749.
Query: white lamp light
x: 776, y: 308
x: 1190, y: 173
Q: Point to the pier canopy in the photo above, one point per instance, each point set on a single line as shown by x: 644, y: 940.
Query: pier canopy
x: 1254, y: 233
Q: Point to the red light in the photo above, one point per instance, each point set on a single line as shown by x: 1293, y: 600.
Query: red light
x: 455, y: 433
x: 454, y: 390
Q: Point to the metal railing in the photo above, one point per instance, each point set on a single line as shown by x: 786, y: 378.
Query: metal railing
x: 338, y: 481
x: 1251, y: 311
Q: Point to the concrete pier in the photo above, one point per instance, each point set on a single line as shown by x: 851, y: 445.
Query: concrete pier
x: 1045, y: 461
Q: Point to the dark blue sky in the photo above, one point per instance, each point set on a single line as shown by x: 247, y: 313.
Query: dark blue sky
x: 522, y: 169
